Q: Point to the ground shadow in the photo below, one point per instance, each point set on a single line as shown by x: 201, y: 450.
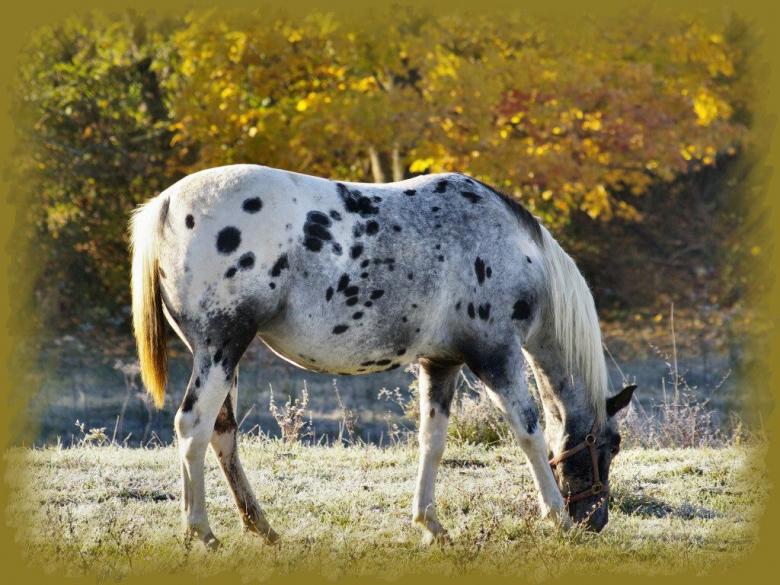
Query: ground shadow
x: 648, y: 507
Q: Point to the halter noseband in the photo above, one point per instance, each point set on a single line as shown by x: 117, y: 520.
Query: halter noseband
x: 596, y: 487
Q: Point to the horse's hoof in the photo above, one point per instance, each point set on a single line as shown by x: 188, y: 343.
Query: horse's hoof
x: 560, y: 519
x: 441, y: 538
x: 268, y: 534
x: 271, y: 537
x: 211, y: 542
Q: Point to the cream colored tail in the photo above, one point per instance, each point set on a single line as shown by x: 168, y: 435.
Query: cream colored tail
x: 148, y: 320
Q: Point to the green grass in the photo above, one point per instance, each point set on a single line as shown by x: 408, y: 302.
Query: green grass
x: 113, y: 511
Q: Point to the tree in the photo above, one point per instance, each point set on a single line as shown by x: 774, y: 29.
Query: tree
x: 559, y: 120
x: 93, y: 141
x: 574, y: 123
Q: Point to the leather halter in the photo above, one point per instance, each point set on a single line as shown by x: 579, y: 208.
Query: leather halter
x: 596, y: 487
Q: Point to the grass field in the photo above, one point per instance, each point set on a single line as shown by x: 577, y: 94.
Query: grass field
x: 114, y: 511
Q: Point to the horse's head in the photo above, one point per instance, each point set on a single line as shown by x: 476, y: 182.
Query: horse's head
x: 581, y: 458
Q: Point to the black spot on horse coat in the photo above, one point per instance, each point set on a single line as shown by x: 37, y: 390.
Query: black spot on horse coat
x: 313, y: 244
x: 479, y: 268
x: 355, y: 202
x: 252, y: 205
x: 280, y: 264
x: 531, y: 417
x: 246, y: 261
x: 441, y: 186
x: 228, y: 240
x: 521, y: 310
x: 318, y: 218
x: 471, y: 196
x: 189, y: 401
x: 315, y: 230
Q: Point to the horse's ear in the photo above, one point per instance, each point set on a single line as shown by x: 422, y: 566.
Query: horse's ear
x: 620, y: 400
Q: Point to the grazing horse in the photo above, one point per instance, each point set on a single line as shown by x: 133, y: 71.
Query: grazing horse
x: 353, y: 278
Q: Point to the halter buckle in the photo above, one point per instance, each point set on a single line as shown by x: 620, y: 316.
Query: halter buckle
x: 596, y: 488
x: 590, y: 439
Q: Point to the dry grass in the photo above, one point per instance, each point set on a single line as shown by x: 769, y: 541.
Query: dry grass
x: 112, y: 512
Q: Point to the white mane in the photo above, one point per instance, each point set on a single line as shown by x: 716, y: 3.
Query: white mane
x: 576, y: 323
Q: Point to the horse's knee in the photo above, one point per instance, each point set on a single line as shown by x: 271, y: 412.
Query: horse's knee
x: 183, y: 423
x: 525, y: 422
x: 529, y: 419
x: 192, y: 433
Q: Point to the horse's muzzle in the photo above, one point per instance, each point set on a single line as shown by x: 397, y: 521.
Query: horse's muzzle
x: 592, y: 513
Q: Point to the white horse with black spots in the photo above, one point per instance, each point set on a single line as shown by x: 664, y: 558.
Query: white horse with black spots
x: 352, y: 278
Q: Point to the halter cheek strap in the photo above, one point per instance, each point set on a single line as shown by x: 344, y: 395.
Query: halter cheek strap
x: 596, y: 487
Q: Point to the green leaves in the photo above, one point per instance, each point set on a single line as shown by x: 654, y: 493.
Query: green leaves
x: 93, y: 142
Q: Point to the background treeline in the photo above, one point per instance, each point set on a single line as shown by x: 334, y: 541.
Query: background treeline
x: 630, y: 138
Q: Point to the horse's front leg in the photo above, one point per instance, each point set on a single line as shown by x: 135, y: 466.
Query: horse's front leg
x: 508, y: 390
x: 436, y: 386
x: 522, y: 416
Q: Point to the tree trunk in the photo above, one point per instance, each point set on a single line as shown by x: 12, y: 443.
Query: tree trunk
x: 398, y: 168
x: 376, y: 165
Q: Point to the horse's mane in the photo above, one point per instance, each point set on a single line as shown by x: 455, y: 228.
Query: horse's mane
x: 571, y: 308
x: 576, y: 323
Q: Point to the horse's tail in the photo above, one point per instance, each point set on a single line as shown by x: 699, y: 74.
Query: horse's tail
x: 576, y: 323
x: 148, y: 320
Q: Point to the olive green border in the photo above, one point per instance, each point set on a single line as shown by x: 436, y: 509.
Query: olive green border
x: 19, y: 20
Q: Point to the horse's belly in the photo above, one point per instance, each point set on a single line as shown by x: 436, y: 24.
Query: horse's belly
x: 343, y: 359
x: 313, y: 339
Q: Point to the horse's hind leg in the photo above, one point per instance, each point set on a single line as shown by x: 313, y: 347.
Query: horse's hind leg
x: 224, y: 441
x: 216, y: 355
x: 194, y: 424
x: 436, y: 387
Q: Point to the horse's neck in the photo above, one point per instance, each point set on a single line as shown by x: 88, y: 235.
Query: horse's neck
x: 564, y: 398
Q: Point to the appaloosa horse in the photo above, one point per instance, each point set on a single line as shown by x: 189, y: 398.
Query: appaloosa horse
x: 352, y: 278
